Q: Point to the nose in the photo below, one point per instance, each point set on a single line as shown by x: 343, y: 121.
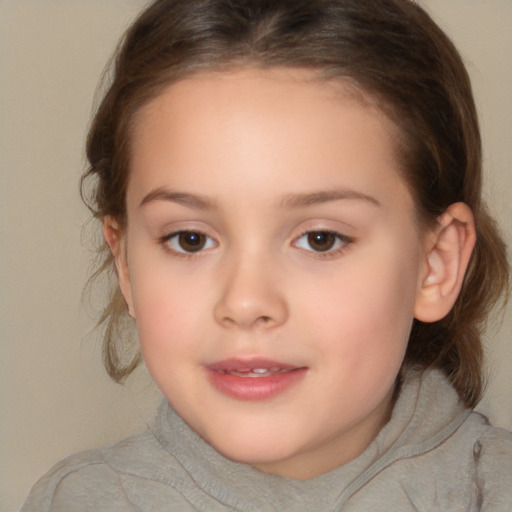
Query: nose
x: 252, y: 297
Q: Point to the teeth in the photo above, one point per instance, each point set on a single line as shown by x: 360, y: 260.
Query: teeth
x: 255, y: 372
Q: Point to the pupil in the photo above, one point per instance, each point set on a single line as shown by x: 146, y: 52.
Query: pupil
x: 191, y: 242
x: 321, y: 240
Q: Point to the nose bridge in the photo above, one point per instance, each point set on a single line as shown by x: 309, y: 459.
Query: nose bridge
x: 251, y: 293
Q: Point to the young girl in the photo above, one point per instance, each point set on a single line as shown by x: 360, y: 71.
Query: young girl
x: 290, y: 194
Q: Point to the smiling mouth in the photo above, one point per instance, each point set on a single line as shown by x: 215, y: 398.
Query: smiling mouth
x: 257, y: 372
x: 253, y: 367
x: 254, y: 379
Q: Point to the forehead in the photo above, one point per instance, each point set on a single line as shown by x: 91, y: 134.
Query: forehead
x: 213, y: 91
x: 221, y: 127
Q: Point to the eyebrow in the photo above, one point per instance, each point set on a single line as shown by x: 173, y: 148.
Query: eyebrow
x: 314, y: 198
x: 200, y: 202
x: 195, y: 201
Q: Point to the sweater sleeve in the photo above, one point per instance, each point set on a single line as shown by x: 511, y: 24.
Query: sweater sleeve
x: 493, y: 478
x: 86, y: 484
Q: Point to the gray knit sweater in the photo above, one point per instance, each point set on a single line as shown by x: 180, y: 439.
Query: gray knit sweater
x: 433, y: 455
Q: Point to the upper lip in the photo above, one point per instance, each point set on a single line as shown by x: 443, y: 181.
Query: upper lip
x: 240, y: 365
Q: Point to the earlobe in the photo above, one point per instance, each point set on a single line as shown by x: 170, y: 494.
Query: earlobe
x: 116, y: 240
x: 447, y: 257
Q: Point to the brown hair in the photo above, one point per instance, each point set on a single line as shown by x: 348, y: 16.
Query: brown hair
x: 390, y: 49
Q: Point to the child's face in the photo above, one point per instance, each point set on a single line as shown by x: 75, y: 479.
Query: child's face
x: 269, y: 230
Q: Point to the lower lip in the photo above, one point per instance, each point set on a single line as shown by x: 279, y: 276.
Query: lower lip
x: 254, y: 388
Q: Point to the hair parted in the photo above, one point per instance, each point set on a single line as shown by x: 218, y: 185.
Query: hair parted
x: 390, y: 50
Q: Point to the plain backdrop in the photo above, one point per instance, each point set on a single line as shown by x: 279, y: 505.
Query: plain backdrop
x: 55, y: 396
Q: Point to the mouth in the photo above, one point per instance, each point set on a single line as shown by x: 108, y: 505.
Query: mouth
x: 256, y: 372
x: 253, y: 379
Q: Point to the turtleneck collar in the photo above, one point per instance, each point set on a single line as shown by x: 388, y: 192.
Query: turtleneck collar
x: 427, y: 412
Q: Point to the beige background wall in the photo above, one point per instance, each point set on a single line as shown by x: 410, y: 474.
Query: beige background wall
x: 55, y: 397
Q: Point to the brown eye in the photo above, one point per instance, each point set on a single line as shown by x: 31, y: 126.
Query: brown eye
x: 328, y: 242
x: 188, y: 242
x: 191, y: 241
x: 321, y: 241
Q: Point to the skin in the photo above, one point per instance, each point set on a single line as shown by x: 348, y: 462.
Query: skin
x: 253, y: 160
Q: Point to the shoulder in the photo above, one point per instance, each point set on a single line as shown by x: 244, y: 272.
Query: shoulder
x: 126, y: 476
x: 68, y: 485
x: 84, y: 481
x: 495, y: 443
x: 492, y: 454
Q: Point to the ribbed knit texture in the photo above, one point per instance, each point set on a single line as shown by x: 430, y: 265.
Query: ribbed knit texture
x: 433, y: 455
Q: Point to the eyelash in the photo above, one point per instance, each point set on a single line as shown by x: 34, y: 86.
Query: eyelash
x: 341, y: 243
x: 166, y: 240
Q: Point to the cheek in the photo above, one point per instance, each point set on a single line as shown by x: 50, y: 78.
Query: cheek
x: 363, y: 334
x: 162, y: 303
x: 167, y: 327
x: 365, y: 310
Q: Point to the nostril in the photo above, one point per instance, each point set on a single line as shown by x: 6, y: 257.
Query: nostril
x: 228, y: 322
x: 263, y: 319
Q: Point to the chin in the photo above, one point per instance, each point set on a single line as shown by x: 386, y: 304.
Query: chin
x: 254, y: 449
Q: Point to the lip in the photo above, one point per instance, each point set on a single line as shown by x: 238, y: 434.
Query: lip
x: 252, y: 387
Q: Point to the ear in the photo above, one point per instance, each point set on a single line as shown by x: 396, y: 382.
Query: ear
x: 116, y: 240
x: 449, y: 248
